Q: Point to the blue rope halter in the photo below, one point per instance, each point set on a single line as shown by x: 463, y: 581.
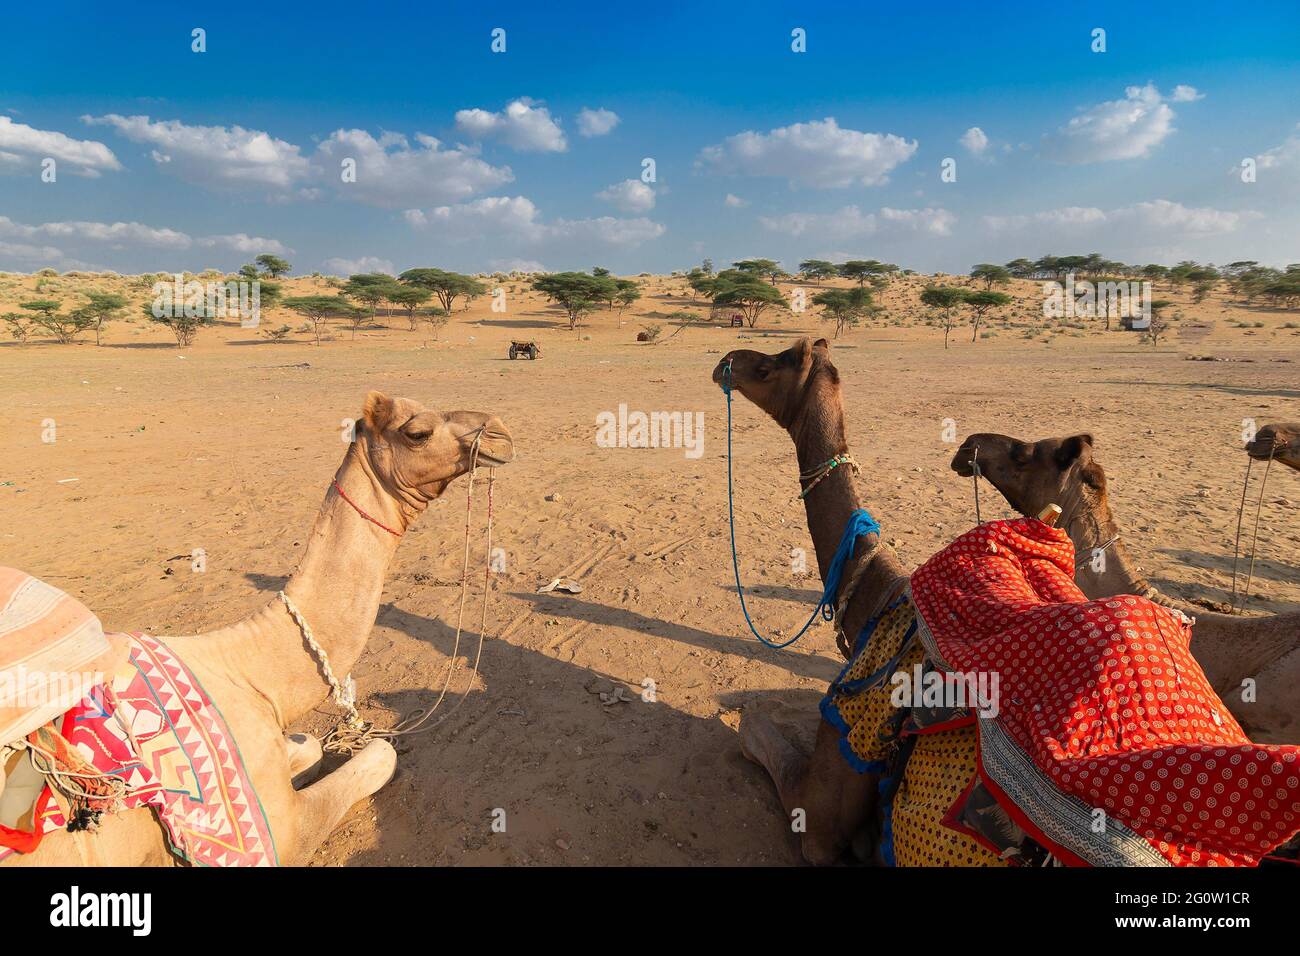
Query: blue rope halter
x: 860, y: 523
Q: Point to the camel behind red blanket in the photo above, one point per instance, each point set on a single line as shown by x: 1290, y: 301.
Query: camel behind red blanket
x: 1108, y: 744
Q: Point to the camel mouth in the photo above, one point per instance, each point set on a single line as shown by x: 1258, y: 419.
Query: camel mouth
x: 501, y: 451
x: 962, y: 462
x: 1267, y: 446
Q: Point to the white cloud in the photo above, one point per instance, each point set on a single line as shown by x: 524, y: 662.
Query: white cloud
x: 735, y: 202
x: 606, y: 230
x: 351, y: 267
x: 1284, y: 156
x: 975, y: 141
x: 122, y: 235
x: 850, y: 222
x: 23, y: 252
x: 21, y: 145
x: 392, y: 173
x: 516, y: 265
x: 597, y: 122
x: 521, y: 126
x: 516, y: 217
x: 1118, y: 129
x: 213, y: 155
x: 244, y: 243
x: 818, y: 153
x: 1157, y: 219
x: 631, y: 195
x: 1186, y: 94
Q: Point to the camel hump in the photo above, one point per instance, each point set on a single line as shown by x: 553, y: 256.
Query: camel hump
x: 52, y: 652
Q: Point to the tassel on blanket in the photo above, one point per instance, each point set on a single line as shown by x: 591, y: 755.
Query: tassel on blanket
x: 90, y: 793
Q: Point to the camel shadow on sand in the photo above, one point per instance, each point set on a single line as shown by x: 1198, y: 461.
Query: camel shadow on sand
x: 580, y: 782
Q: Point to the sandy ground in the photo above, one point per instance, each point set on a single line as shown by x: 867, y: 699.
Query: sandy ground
x: 228, y: 446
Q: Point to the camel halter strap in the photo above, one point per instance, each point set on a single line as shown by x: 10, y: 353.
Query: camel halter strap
x: 353, y: 733
x: 860, y: 523
x: 357, y: 508
x: 1254, y: 539
x: 975, y: 477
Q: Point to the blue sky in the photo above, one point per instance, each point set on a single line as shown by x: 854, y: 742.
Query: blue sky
x: 168, y: 159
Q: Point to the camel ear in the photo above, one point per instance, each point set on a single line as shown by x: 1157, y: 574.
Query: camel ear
x: 822, y: 344
x: 379, y: 412
x: 1075, y: 448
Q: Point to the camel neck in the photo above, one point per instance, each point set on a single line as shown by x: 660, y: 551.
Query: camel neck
x: 337, y: 587
x: 1105, y: 566
x: 818, y: 435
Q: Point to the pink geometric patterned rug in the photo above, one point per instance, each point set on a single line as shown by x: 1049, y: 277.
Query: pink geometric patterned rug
x: 155, y: 726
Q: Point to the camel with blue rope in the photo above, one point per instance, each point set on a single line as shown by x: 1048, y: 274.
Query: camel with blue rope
x: 920, y: 784
x: 838, y: 799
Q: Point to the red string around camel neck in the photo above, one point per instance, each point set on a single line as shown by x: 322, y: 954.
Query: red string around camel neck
x: 355, y: 507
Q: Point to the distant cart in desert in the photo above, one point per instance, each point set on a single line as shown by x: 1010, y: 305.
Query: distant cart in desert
x: 530, y: 349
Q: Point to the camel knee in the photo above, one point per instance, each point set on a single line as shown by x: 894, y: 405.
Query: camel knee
x: 304, y: 759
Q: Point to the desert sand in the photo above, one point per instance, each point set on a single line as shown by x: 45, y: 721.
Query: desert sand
x: 229, y: 446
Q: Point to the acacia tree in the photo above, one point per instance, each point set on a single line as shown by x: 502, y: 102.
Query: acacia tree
x: 628, y: 292
x: 370, y: 289
x: 447, y: 286
x: 818, y: 270
x: 409, y: 299
x: 318, y: 309
x: 273, y: 266
x: 990, y: 274
x: 845, y: 306
x: 946, y: 300
x: 745, y: 291
x: 980, y: 303
x: 860, y: 270
x: 435, y: 318
x: 761, y: 267
x: 184, y: 322
x: 65, y: 327
x: 20, y: 326
x: 701, y: 282
x: 577, y: 293
x: 102, y: 307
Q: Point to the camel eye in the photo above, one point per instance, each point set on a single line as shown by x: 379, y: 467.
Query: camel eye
x: 418, y: 437
x: 1020, y: 455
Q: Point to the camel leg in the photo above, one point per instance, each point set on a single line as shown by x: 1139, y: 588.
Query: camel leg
x: 320, y: 807
x: 836, y: 800
x: 304, y: 759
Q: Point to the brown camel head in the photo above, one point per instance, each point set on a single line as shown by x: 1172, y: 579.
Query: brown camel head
x: 1281, y: 440
x: 1032, y: 475
x: 415, y: 452
x: 782, y: 384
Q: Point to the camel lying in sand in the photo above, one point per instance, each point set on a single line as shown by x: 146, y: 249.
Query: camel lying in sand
x: 260, y: 672
x: 800, y: 389
x: 1230, y: 649
x: 1281, y: 441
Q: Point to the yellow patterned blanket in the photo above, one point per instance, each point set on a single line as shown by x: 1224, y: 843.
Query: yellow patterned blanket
x: 919, y: 825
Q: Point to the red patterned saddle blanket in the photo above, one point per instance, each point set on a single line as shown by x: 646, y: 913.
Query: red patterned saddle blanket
x: 1106, y: 742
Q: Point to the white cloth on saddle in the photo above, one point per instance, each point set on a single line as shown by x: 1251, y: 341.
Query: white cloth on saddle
x: 52, y: 652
